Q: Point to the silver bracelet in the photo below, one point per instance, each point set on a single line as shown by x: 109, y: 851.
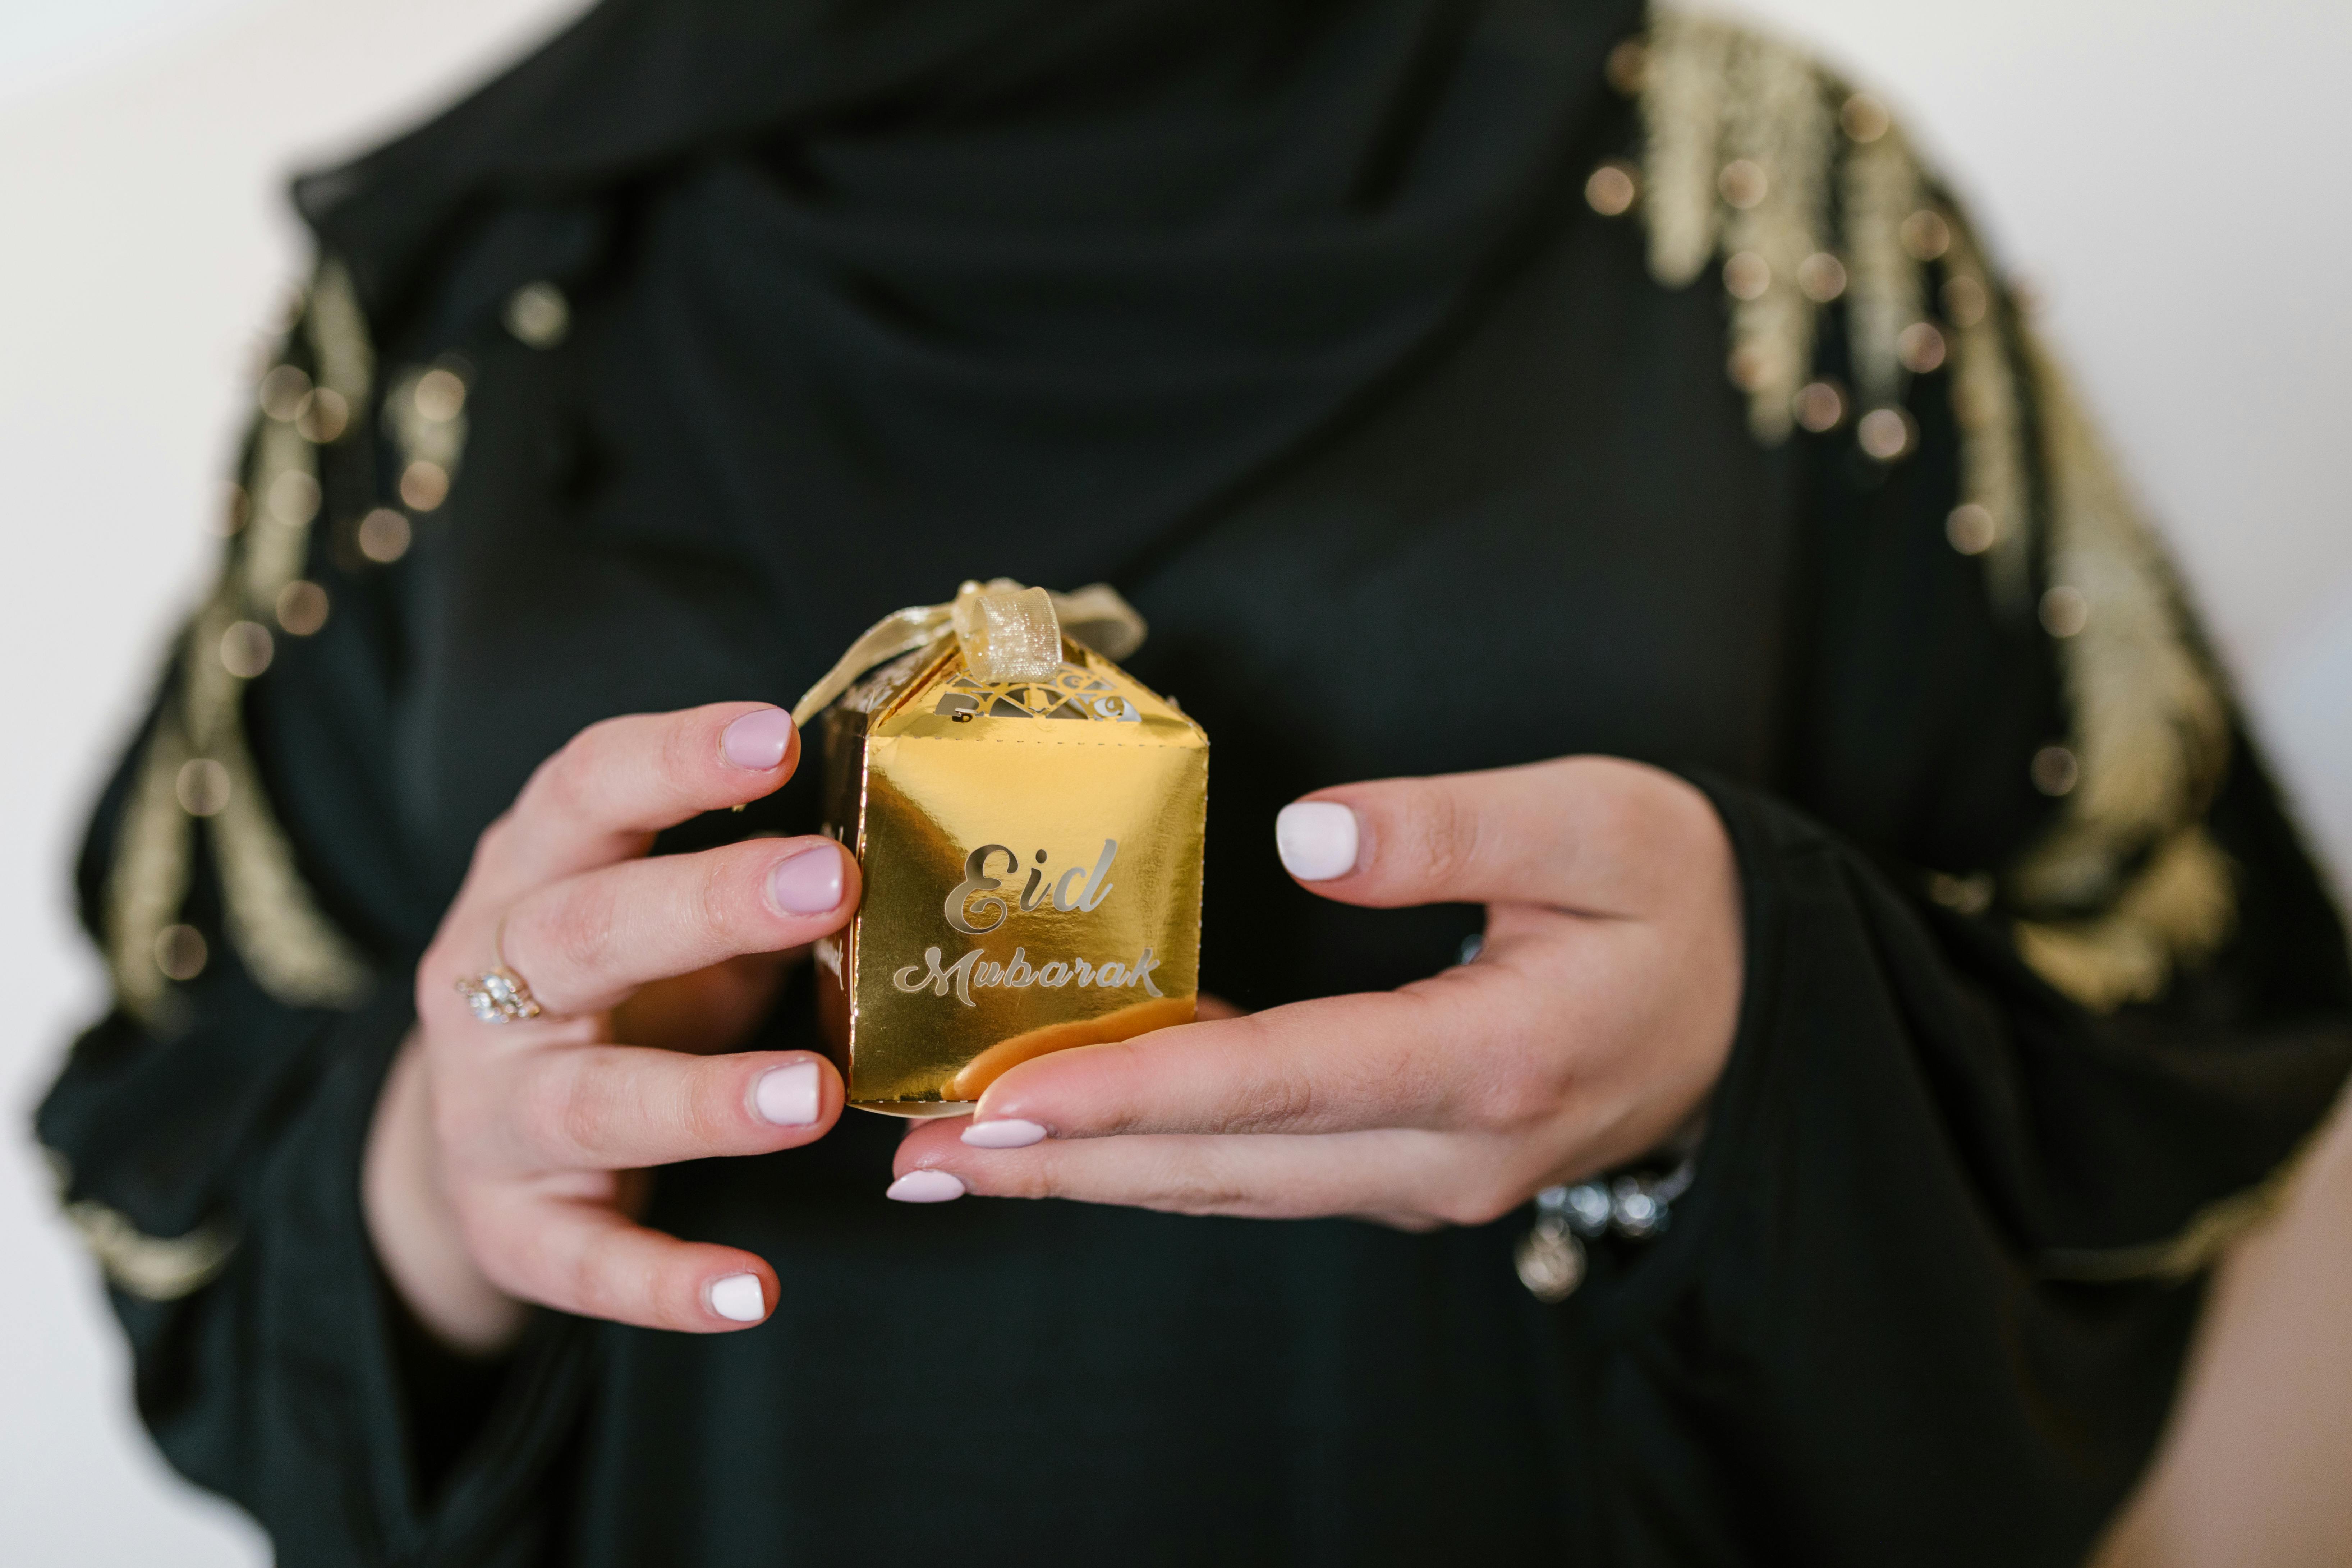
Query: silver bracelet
x: 1550, y: 1256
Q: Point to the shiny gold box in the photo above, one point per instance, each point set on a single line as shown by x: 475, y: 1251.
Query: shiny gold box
x: 1032, y: 852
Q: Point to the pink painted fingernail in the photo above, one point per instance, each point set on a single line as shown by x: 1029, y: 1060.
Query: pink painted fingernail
x: 1316, y: 839
x: 926, y: 1187
x: 788, y: 1096
x: 756, y: 741
x: 807, y: 884
x: 739, y: 1299
x: 1012, y: 1132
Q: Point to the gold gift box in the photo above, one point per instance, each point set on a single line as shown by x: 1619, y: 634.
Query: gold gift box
x: 1032, y: 852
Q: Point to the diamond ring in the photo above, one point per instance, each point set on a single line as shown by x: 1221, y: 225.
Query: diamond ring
x: 499, y: 997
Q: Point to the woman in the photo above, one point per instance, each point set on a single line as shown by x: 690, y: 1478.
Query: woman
x: 2252, y: 1465
x: 1876, y: 888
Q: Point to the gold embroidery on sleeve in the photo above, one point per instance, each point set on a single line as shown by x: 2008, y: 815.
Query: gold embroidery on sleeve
x: 1744, y: 140
x: 1682, y: 120
x: 1881, y: 188
x: 1776, y: 141
x: 2128, y: 885
x: 152, y: 1267
x: 1992, y: 433
x: 198, y: 762
x: 149, y: 878
x: 1738, y: 132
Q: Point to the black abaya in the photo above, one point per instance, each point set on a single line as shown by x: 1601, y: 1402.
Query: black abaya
x: 1292, y: 322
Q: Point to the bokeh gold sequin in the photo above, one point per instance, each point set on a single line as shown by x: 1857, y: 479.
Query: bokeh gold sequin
x: 385, y: 535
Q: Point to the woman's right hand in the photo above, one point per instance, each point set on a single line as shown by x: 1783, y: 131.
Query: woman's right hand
x: 505, y: 1159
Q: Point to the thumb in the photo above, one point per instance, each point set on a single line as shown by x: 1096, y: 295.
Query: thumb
x: 1592, y: 834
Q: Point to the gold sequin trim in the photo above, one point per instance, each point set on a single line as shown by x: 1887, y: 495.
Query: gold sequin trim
x: 1682, y: 123
x: 286, y: 943
x: 1744, y: 138
x: 1743, y: 141
x: 1776, y: 140
x: 2132, y: 885
x: 152, y: 1268
x: 1880, y: 189
x: 149, y: 879
x: 1992, y: 431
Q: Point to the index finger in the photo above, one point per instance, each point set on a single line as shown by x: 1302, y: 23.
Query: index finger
x: 1595, y: 835
x: 616, y: 783
x: 1414, y: 1058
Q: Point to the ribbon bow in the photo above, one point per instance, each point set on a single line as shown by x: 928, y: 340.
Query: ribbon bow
x: 1007, y: 632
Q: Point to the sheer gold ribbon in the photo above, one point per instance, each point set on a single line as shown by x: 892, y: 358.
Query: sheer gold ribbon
x: 1008, y: 632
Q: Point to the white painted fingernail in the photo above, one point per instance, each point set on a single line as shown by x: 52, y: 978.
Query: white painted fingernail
x: 807, y: 884
x: 1009, y: 1133
x: 1317, y: 839
x: 925, y: 1188
x: 789, y: 1096
x: 758, y: 740
x: 739, y: 1299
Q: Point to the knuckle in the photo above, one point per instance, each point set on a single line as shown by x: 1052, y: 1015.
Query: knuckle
x: 564, y: 783
x: 1034, y: 1180
x: 494, y: 841
x: 1441, y: 838
x: 716, y: 894
x: 685, y: 749
x: 571, y: 931
x: 711, y: 1115
x: 1513, y: 1099
x: 1279, y: 1099
x: 590, y: 1282
x: 1192, y: 1186
x: 1517, y: 1072
x: 543, y: 792
x: 626, y: 1287
x: 565, y: 1113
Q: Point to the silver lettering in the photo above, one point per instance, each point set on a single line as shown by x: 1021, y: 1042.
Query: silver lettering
x: 1097, y: 882
x: 976, y: 880
x: 937, y: 980
x: 972, y: 972
x: 1142, y: 972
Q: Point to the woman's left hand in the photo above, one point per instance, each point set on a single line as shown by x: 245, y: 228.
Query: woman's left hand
x: 1588, y: 1030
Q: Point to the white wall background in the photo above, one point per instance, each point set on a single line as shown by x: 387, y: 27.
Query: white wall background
x: 2167, y: 173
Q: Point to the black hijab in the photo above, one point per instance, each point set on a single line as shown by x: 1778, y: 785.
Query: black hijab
x: 1035, y: 277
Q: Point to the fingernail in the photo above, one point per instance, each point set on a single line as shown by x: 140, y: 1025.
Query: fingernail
x: 788, y: 1096
x: 807, y: 884
x: 925, y: 1188
x: 1317, y: 839
x: 756, y: 741
x: 1012, y: 1132
x: 739, y: 1299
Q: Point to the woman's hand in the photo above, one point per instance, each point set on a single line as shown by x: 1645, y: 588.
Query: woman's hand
x: 504, y: 1158
x: 1590, y: 1029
